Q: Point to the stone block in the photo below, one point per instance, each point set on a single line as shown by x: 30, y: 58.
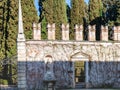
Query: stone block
x: 21, y: 75
x: 65, y: 32
x: 21, y: 63
x: 51, y: 31
x: 21, y: 71
x: 91, y: 34
x: 119, y: 66
x: 115, y: 38
x: 22, y: 83
x: 37, y: 31
x: 21, y: 88
x: 23, y: 78
x: 21, y: 44
x: 104, y: 33
x: 118, y: 28
x: 79, y: 33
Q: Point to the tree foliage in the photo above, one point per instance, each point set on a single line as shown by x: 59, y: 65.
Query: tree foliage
x: 118, y: 12
x: 9, y: 26
x: 77, y: 14
x: 95, y: 11
x: 47, y: 7
x: 60, y: 16
x: 111, y: 11
x: 55, y: 12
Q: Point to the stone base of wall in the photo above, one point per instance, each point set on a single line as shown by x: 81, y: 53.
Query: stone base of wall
x: 104, y: 74
x: 35, y: 74
x: 101, y: 75
x: 63, y: 74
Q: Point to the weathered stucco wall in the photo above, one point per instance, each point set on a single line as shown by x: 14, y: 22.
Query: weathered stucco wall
x: 104, y: 62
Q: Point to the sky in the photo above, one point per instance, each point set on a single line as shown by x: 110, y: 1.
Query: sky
x: 67, y: 1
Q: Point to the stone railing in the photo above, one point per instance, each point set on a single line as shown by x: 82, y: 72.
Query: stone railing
x: 78, y: 32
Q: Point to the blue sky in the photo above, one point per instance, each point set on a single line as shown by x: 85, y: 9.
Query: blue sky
x: 68, y: 1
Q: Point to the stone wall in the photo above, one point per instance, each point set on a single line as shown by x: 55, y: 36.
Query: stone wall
x: 37, y: 57
x: 104, y: 74
x: 104, y: 65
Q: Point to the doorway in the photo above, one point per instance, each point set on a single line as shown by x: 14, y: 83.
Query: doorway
x: 79, y: 74
x: 79, y: 71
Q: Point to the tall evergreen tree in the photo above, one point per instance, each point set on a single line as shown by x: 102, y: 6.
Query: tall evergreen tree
x: 9, y: 26
x: 54, y: 11
x: 77, y: 14
x: 95, y: 15
x: 118, y: 12
x: 60, y: 15
x: 47, y: 10
x: 95, y: 11
x: 9, y: 20
x: 29, y: 11
x: 68, y: 12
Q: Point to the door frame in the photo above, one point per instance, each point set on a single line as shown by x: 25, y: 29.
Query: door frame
x: 81, y: 57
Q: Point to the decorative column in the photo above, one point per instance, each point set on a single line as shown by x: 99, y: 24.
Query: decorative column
x: 104, y: 33
x: 36, y: 31
x: 79, y: 33
x: 21, y: 51
x: 91, y: 35
x: 51, y: 31
x: 65, y: 32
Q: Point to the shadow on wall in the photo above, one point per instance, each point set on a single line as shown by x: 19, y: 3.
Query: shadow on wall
x: 101, y: 74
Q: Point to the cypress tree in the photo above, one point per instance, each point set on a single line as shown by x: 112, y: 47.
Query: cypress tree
x: 9, y: 27
x: 77, y: 14
x: 9, y: 20
x: 95, y: 15
x: 118, y: 12
x: 81, y: 11
x: 54, y: 11
x: 47, y: 10
x: 3, y: 10
x: 46, y: 15
x: 68, y: 12
x: 28, y: 10
x: 60, y: 15
x: 95, y: 11
x: 44, y: 30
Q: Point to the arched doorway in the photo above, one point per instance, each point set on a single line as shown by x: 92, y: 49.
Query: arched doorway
x: 81, y: 71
